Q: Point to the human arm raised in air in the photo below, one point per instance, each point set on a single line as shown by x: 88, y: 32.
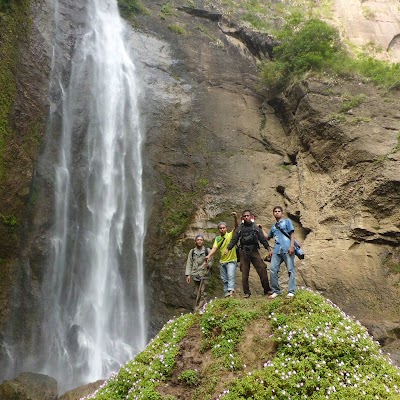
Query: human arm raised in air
x: 262, y: 238
x: 234, y: 240
x: 235, y: 219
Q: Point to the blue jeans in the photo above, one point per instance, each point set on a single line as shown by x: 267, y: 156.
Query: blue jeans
x: 276, y: 262
x: 228, y: 275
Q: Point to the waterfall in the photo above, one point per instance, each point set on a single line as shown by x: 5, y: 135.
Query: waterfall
x: 95, y: 310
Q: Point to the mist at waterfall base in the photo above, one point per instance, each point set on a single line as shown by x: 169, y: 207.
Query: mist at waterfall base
x: 93, y: 296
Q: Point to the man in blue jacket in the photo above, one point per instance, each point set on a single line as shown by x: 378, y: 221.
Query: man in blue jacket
x: 283, y: 233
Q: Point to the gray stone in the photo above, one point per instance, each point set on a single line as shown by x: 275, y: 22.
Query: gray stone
x: 29, y: 386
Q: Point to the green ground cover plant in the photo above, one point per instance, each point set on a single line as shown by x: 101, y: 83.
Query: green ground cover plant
x: 319, y: 353
x: 312, y: 45
x: 176, y: 28
x: 128, y: 8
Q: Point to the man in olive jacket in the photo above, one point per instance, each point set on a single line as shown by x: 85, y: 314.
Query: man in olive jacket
x: 250, y: 236
x: 198, y: 270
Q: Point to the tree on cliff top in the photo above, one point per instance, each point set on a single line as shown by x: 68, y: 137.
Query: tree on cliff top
x: 259, y: 349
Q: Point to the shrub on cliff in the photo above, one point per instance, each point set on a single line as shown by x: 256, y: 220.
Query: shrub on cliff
x: 305, y: 46
x: 259, y: 349
x: 314, y: 46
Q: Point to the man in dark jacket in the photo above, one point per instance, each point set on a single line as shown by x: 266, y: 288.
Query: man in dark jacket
x: 249, y: 235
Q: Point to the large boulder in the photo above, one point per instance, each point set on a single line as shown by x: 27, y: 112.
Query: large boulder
x: 29, y: 386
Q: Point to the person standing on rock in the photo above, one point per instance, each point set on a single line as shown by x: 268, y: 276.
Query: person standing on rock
x: 249, y: 236
x: 283, y: 233
x: 198, y: 270
x: 228, y: 260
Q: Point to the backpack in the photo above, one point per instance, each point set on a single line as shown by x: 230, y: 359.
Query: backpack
x: 205, y: 253
x: 248, y: 237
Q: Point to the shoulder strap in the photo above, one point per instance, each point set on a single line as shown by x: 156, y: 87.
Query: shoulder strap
x: 205, y: 252
x: 284, y: 232
x: 220, y: 244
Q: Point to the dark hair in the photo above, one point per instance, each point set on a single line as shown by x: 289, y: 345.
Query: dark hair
x: 277, y: 208
x: 247, y: 211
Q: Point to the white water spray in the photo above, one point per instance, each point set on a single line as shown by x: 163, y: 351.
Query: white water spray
x: 95, y: 319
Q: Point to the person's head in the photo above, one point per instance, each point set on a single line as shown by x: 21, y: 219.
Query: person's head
x: 278, y: 212
x: 199, y: 240
x: 222, y: 227
x: 247, y: 217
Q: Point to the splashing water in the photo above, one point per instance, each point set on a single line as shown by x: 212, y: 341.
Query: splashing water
x: 95, y: 317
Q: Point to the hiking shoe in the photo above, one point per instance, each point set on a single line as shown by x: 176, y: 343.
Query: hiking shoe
x: 290, y: 295
x: 268, y: 293
x: 247, y: 295
x: 231, y: 292
x: 273, y: 295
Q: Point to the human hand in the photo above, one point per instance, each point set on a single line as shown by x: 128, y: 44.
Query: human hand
x: 188, y: 279
x: 291, y: 250
x: 234, y: 214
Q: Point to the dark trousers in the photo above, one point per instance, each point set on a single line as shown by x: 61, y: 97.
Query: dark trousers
x: 199, y: 289
x: 254, y: 258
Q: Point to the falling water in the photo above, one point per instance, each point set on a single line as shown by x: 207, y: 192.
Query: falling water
x: 96, y: 312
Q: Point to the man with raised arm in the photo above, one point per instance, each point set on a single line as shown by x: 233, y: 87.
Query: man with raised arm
x: 249, y: 235
x: 228, y: 261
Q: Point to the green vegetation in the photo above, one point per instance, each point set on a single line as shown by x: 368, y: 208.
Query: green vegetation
x: 189, y: 377
x: 179, y: 204
x: 166, y: 11
x: 307, y: 347
x: 311, y: 45
x: 5, y: 5
x: 13, y: 28
x: 131, y: 7
x: 140, y: 377
x: 9, y: 220
x: 394, y: 268
x: 178, y: 29
x: 352, y: 102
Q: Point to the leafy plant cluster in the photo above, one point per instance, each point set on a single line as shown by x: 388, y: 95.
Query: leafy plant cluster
x: 222, y: 325
x: 139, y: 378
x: 322, y: 353
x: 190, y: 377
x: 312, y: 45
x: 352, y: 102
x: 5, y: 5
x: 131, y: 7
x: 178, y: 29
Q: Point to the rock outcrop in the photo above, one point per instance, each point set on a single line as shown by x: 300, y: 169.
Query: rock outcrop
x: 29, y: 386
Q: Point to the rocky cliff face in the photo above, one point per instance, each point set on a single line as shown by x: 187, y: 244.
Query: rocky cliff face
x: 327, y: 150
